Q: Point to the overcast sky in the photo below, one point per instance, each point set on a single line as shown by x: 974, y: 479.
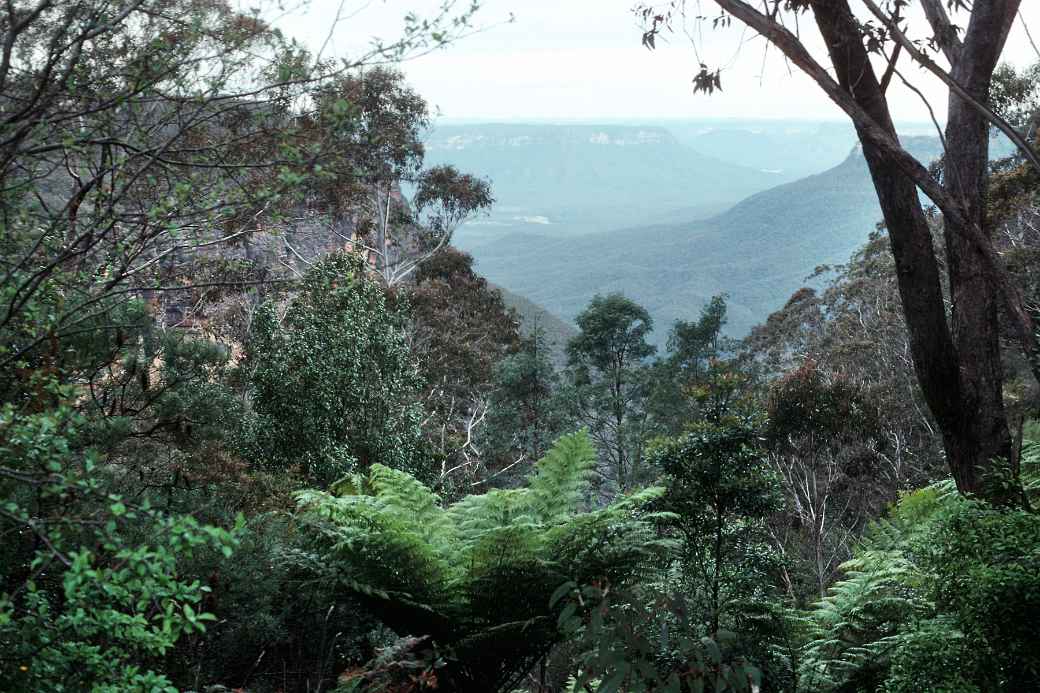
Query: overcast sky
x: 582, y: 59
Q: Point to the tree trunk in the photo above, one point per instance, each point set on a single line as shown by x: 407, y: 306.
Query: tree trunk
x: 958, y: 365
x: 985, y: 435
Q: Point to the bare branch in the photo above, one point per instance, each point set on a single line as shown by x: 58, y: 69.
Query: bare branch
x: 1029, y: 35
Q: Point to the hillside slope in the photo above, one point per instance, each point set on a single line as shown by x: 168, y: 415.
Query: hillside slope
x: 758, y: 252
x: 533, y: 317
x: 791, y: 148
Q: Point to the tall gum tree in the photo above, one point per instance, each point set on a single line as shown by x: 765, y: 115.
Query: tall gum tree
x: 956, y: 353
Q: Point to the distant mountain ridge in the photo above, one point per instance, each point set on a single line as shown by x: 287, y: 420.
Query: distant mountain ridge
x: 792, y: 149
x: 517, y: 135
x: 575, y: 179
x: 758, y: 252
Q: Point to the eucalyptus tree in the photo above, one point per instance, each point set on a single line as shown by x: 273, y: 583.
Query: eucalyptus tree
x: 686, y: 382
x: 528, y: 407
x: 610, y: 378
x: 460, y: 329
x: 376, y: 123
x: 956, y: 353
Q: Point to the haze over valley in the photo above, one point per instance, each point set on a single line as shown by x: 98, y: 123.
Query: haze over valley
x: 668, y: 213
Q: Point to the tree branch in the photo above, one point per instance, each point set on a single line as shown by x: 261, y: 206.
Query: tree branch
x: 1027, y: 149
x: 945, y: 33
x: 891, y: 70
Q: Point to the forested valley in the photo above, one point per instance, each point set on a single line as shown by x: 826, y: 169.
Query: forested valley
x: 264, y: 428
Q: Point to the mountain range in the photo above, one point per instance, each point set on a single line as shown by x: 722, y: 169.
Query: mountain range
x: 758, y: 251
x: 571, y: 179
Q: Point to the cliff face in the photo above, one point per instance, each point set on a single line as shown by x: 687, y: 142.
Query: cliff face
x: 248, y: 267
x: 284, y: 251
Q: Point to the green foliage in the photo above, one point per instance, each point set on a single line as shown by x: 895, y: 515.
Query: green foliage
x: 853, y: 334
x: 1015, y: 94
x: 154, y: 138
x: 333, y: 383
x: 610, y: 378
x: 806, y: 403
x: 163, y: 403
x: 857, y: 624
x: 373, y: 121
x: 276, y: 628
x: 444, y: 198
x: 92, y: 596
x: 629, y: 642
x: 527, y: 410
x: 688, y: 384
x: 613, y: 334
x: 934, y: 656
x: 721, y: 491
x: 476, y: 576
x: 984, y: 568
x: 692, y: 344
x: 942, y: 594
x: 716, y: 473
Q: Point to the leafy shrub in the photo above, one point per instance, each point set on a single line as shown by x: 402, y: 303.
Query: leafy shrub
x: 629, y: 642
x: 93, y: 598
x: 333, y: 383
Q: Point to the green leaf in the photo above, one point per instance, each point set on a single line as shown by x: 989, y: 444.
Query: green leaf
x: 562, y: 591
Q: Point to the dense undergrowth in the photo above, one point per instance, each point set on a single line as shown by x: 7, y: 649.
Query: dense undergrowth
x: 263, y: 428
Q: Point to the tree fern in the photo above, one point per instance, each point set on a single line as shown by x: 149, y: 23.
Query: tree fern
x: 401, y: 496
x: 562, y: 478
x: 858, y: 624
x: 478, y: 576
x: 361, y: 526
x: 918, y: 606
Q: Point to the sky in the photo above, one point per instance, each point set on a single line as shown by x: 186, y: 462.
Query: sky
x: 560, y: 60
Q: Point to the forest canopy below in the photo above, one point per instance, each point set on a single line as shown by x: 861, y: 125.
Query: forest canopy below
x: 264, y: 428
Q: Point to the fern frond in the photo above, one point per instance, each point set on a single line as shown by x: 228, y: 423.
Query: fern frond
x: 611, y: 543
x: 562, y: 478
x: 401, y: 495
x: 372, y: 542
x: 482, y: 570
x: 862, y: 618
x: 475, y: 515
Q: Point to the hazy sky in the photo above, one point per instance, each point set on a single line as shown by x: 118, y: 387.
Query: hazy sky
x: 582, y: 59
